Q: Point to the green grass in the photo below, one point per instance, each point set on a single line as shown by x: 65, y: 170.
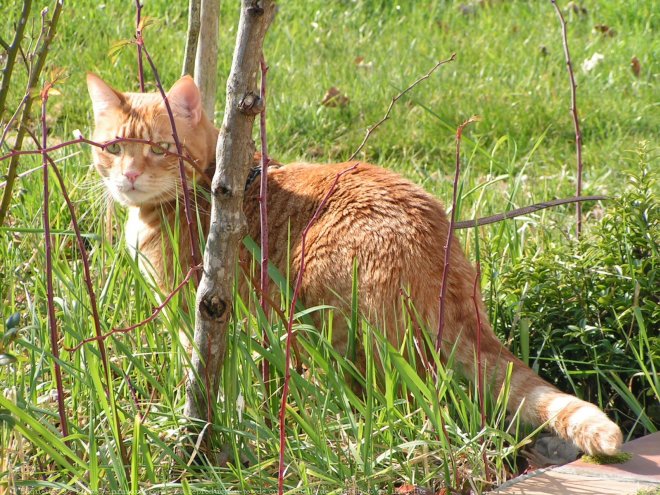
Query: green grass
x: 584, y: 315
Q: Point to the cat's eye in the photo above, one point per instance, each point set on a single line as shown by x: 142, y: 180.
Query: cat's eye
x: 113, y: 148
x: 160, y: 148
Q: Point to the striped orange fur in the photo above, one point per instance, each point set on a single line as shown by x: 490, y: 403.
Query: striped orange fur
x: 393, y: 228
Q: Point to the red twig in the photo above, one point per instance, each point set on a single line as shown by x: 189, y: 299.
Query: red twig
x: 90, y: 291
x: 263, y: 216
x: 138, y: 36
x: 445, y: 271
x: 52, y: 321
x: 154, y: 314
x: 289, y: 327
x: 192, y: 226
x: 186, y: 158
x: 574, y: 112
x: 371, y: 129
x: 85, y: 260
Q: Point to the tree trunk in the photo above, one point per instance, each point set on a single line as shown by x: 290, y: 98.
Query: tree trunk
x: 234, y: 155
x: 192, y: 38
x: 206, y: 59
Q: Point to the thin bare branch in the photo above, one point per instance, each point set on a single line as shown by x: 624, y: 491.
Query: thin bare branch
x: 40, y: 54
x: 263, y: 215
x: 12, y: 119
x: 86, y: 269
x: 574, y: 113
x: 50, y: 296
x: 156, y: 311
x: 138, y: 36
x: 192, y: 225
x: 450, y: 235
x: 480, y: 375
x: 82, y: 140
x: 83, y: 256
x: 396, y: 98
x: 289, y: 327
x: 12, y: 51
x: 23, y: 174
x: 525, y: 210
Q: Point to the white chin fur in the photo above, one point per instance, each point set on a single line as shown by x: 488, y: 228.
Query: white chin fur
x: 130, y: 197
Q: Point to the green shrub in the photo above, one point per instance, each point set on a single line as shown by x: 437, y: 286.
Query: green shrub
x: 592, y: 308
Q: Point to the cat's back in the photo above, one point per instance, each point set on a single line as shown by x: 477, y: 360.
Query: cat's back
x: 362, y: 191
x: 365, y: 196
x: 391, y: 227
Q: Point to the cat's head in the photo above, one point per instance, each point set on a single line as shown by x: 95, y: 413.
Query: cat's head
x: 138, y: 174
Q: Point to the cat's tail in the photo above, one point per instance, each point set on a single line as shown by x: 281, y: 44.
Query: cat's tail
x: 573, y: 419
x: 539, y: 402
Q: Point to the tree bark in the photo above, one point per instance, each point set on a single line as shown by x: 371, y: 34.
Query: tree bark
x: 234, y: 155
x: 206, y: 59
x: 192, y: 38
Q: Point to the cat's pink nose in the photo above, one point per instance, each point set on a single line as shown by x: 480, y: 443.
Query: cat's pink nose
x: 132, y: 175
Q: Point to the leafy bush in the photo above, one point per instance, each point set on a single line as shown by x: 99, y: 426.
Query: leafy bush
x: 592, y: 308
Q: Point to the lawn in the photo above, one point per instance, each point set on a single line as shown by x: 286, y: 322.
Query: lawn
x: 584, y: 314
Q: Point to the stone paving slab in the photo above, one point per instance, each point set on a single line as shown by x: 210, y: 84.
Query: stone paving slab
x: 642, y: 471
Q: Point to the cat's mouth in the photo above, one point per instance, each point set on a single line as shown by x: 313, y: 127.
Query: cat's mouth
x: 131, y: 194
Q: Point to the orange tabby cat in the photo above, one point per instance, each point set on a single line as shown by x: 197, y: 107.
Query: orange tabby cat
x: 393, y: 228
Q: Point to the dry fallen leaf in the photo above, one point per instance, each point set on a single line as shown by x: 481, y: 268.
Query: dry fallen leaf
x: 605, y: 30
x: 576, y: 8
x: 334, y: 98
x: 408, y: 489
x: 404, y: 489
x: 360, y: 63
x: 635, y: 66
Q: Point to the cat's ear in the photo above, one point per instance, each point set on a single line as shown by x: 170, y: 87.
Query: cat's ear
x: 186, y: 100
x: 104, y: 98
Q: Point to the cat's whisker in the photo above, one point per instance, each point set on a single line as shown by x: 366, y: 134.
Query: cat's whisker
x: 91, y: 185
x: 100, y: 202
